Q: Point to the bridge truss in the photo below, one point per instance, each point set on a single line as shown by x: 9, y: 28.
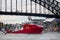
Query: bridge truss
x: 51, y: 5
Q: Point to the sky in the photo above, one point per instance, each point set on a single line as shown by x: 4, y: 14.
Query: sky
x: 18, y: 19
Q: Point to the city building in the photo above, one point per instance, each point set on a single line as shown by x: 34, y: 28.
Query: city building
x: 1, y: 25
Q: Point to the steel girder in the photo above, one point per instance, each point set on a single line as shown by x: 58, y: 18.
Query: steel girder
x: 52, y: 5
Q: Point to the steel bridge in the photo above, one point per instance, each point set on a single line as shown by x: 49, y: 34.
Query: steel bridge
x: 42, y: 8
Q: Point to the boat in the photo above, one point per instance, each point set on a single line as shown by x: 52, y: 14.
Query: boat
x: 28, y: 28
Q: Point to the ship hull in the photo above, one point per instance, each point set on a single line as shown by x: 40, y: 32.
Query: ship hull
x: 28, y: 29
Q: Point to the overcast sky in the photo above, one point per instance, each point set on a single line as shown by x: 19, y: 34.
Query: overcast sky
x: 16, y: 19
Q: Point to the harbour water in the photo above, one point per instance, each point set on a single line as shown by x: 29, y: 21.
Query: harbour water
x: 43, y: 36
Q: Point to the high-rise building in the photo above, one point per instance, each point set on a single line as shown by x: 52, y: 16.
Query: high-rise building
x: 1, y: 25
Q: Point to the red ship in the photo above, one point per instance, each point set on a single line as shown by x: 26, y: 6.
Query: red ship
x: 28, y: 28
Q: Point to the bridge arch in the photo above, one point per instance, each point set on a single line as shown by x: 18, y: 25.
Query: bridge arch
x: 51, y: 5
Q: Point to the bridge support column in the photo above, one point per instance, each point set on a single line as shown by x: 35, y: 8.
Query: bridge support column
x: 0, y: 5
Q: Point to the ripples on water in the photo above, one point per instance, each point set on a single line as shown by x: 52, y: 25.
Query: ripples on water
x: 43, y: 36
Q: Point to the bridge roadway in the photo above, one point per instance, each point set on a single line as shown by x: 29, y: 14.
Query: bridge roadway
x: 30, y: 14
